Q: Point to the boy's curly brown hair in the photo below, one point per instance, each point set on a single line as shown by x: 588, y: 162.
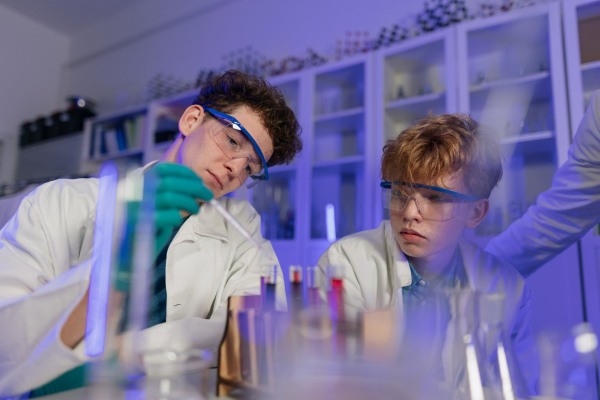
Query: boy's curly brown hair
x: 233, y: 88
x: 438, y: 147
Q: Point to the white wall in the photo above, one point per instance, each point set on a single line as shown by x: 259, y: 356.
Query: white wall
x: 31, y: 61
x: 112, y: 60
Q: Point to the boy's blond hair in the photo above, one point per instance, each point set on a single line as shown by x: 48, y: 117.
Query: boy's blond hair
x: 440, y: 146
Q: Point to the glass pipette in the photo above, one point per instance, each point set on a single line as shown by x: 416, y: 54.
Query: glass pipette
x: 221, y: 210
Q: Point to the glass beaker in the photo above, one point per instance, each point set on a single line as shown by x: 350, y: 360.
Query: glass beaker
x: 174, y: 374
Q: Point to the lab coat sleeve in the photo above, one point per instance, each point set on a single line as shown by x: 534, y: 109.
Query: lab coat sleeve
x: 563, y: 213
x: 37, y: 295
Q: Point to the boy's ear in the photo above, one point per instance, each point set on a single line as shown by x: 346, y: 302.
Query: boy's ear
x: 477, y: 213
x: 190, y: 120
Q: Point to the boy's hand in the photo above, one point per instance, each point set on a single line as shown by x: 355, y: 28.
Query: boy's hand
x: 178, y: 190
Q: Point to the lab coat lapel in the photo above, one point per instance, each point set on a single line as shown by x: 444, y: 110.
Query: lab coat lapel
x: 194, y: 265
x: 400, y: 270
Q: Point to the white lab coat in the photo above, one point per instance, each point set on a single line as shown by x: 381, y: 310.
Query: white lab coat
x: 563, y: 213
x: 375, y: 268
x: 45, y: 252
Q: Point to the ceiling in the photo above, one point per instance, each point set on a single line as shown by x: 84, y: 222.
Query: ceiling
x: 68, y: 16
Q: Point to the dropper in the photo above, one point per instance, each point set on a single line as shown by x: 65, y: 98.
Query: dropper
x: 230, y: 218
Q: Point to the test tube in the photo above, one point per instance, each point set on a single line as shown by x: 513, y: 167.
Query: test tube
x: 297, y: 301
x: 268, y: 282
x: 335, y: 291
x: 335, y: 298
x: 239, y: 227
x: 312, y: 288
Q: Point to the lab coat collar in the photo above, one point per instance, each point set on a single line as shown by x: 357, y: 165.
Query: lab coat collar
x: 208, y: 222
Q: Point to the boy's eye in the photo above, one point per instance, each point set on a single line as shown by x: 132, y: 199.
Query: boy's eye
x: 439, y: 198
x: 232, y: 141
x: 248, y: 169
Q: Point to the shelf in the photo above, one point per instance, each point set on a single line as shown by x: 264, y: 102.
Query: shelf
x: 501, y: 83
x: 527, y: 137
x: 353, y: 121
x: 342, y: 114
x: 120, y: 154
x: 415, y: 101
x: 590, y: 78
x: 590, y: 66
x: 111, y: 118
x: 340, y: 163
x: 531, y: 143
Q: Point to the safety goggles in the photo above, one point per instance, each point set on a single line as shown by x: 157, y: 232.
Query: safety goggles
x: 237, y: 143
x: 434, y: 203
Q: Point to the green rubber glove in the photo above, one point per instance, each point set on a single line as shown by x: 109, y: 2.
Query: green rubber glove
x: 178, y: 190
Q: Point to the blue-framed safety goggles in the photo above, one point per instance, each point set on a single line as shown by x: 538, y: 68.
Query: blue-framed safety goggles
x: 456, y: 195
x: 235, y: 124
x: 434, y: 203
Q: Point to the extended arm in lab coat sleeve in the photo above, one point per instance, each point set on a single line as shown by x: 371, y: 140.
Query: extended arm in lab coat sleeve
x: 563, y: 213
x: 36, y: 293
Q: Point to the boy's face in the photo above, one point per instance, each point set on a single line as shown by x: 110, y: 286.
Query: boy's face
x: 199, y: 151
x: 425, y: 241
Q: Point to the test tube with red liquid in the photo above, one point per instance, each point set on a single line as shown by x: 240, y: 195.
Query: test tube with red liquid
x: 335, y: 291
x: 335, y: 300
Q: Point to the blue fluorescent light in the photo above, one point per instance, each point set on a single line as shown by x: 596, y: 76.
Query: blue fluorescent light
x: 101, y: 260
x: 330, y: 221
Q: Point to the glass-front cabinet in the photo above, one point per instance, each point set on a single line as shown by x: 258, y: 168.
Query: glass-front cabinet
x: 341, y: 155
x: 277, y: 200
x: 415, y: 78
x: 512, y: 81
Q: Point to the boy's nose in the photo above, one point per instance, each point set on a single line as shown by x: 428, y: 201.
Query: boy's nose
x: 236, y: 166
x: 411, y: 209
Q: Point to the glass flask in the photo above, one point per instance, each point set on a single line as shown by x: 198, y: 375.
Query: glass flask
x: 505, y: 368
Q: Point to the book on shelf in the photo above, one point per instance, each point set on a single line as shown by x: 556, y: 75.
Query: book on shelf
x: 117, y: 137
